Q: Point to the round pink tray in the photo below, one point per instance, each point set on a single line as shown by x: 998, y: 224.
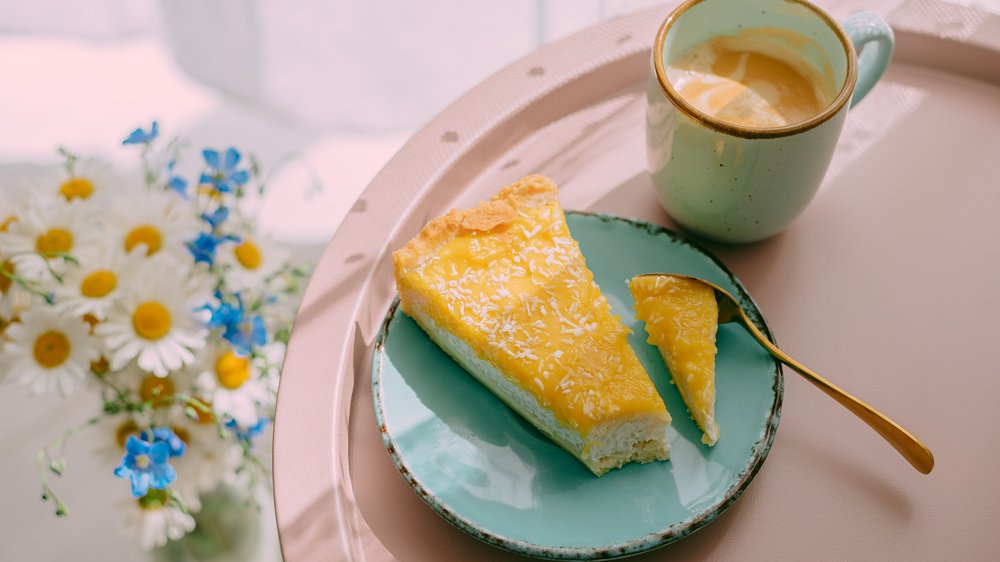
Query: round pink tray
x: 887, y: 285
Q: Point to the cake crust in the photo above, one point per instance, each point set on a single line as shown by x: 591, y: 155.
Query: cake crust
x: 501, y: 209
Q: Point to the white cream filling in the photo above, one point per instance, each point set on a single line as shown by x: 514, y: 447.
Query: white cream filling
x: 639, y: 438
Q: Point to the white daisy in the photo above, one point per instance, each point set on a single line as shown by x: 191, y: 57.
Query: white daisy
x: 156, y: 321
x: 14, y: 298
x: 12, y: 201
x: 189, y: 466
x: 233, y: 385
x: 207, y: 459
x: 47, y: 351
x: 117, y: 430
x: 92, y: 286
x: 154, y: 223
x: 270, y: 359
x: 49, y: 227
x: 152, y: 521
x: 128, y: 376
x: 268, y: 362
x: 88, y: 179
x: 250, y: 261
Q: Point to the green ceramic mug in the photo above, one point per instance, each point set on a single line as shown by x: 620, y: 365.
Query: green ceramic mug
x: 741, y: 183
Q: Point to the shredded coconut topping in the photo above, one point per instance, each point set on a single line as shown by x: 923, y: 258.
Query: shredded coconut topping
x: 523, y: 293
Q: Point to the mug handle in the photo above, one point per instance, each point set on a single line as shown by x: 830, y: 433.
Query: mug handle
x: 862, y: 29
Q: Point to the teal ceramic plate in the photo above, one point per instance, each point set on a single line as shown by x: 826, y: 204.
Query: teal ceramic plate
x: 493, y: 475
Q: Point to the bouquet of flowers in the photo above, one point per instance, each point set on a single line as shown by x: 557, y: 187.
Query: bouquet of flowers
x: 158, y: 295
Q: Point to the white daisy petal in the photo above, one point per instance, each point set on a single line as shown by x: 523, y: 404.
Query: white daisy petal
x: 149, y: 360
x: 155, y: 224
x: 65, y: 383
x: 89, y: 180
x: 50, y: 226
x: 250, y: 262
x: 96, y: 284
x: 38, y: 386
x: 232, y: 384
x: 51, y: 351
x: 152, y: 323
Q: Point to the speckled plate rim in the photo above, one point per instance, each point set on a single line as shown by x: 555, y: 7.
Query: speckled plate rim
x: 758, y: 452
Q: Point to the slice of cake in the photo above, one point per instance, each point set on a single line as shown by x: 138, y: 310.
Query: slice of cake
x: 504, y: 289
x: 681, y: 319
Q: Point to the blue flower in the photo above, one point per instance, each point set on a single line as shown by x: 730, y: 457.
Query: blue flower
x: 232, y: 318
x: 140, y: 136
x: 247, y: 435
x: 222, y: 174
x: 176, y: 183
x: 241, y: 343
x: 216, y: 218
x: 146, y: 466
x: 227, y: 316
x: 203, y: 247
x: 258, y: 332
x: 167, y: 435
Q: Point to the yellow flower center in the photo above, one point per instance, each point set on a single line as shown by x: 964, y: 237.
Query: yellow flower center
x: 182, y: 434
x: 151, y: 320
x: 123, y: 432
x: 5, y: 223
x: 98, y: 284
x: 208, y: 190
x: 157, y: 390
x: 232, y: 370
x: 204, y: 412
x: 144, y: 234
x: 51, y: 349
x: 75, y: 187
x: 142, y: 461
x: 55, y: 241
x: 248, y: 254
x: 91, y: 321
x: 5, y: 276
x: 153, y: 500
x: 100, y: 367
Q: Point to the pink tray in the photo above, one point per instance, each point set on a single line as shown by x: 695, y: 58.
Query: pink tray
x: 887, y: 285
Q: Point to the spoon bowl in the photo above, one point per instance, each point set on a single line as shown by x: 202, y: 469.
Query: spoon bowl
x: 915, y: 452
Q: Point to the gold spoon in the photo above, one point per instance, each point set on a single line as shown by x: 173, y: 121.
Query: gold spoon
x: 903, y: 441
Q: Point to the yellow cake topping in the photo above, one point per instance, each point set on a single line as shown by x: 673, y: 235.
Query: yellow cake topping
x: 508, y: 279
x: 682, y: 317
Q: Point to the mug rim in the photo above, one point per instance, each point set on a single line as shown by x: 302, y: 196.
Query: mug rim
x: 850, y: 81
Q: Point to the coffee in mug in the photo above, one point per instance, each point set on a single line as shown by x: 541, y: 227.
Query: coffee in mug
x: 745, y: 80
x: 746, y: 101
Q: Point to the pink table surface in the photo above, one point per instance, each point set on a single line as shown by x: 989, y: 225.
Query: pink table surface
x: 886, y: 285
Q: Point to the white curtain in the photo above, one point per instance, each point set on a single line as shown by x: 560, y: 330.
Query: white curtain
x: 91, y: 19
x: 344, y: 65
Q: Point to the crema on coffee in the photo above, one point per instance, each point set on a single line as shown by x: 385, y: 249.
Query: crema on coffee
x: 744, y: 81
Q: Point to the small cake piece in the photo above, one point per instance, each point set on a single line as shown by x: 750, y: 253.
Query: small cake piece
x: 682, y: 317
x: 504, y: 289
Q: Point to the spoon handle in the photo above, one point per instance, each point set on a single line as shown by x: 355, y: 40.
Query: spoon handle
x: 903, y: 441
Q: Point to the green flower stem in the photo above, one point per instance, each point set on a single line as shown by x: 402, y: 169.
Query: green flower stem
x: 177, y: 501
x: 57, y: 465
x: 150, y: 172
x: 198, y: 406
x: 69, y: 159
x: 121, y: 401
x: 33, y: 287
x: 263, y: 180
x: 254, y: 469
x: 251, y: 464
